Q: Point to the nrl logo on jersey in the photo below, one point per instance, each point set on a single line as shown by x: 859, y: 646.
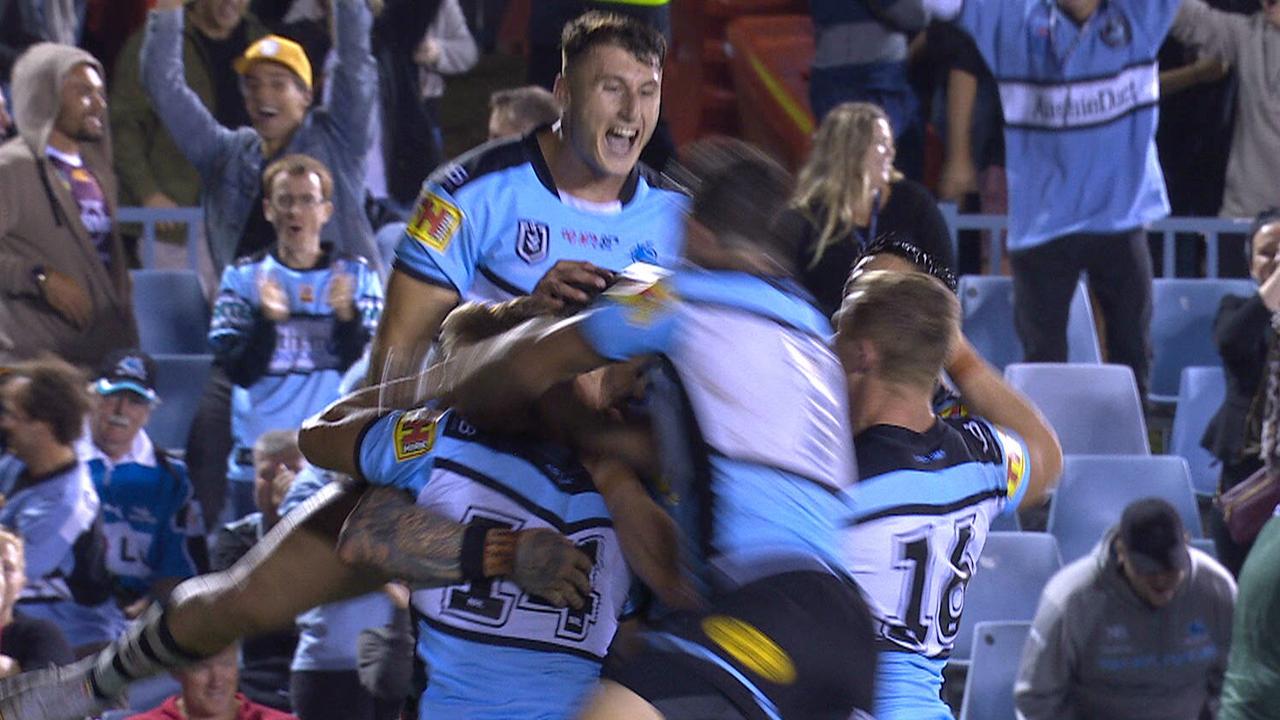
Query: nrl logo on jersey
x: 533, y: 241
x: 415, y: 434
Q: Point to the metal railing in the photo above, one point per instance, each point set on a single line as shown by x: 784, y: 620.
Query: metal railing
x: 191, y: 217
x: 1208, y: 230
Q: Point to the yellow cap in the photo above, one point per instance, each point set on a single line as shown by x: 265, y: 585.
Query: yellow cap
x: 274, y: 48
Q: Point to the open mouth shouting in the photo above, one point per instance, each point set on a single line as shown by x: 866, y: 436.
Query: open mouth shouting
x: 621, y: 141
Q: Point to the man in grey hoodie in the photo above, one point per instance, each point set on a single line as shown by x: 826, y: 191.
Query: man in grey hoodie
x: 1140, y: 629
x: 64, y: 283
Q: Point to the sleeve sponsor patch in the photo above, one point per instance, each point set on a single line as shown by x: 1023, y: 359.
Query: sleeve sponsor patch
x: 415, y: 434
x: 1015, y: 463
x: 435, y: 221
x: 644, y: 290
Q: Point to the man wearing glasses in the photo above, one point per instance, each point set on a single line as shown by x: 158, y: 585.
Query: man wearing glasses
x: 290, y: 319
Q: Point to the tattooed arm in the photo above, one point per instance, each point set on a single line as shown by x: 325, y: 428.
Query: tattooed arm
x: 387, y: 531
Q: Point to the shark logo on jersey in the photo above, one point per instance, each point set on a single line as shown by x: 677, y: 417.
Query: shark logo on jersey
x: 533, y: 240
x: 644, y: 252
x: 1115, y: 31
x: 415, y: 434
x: 435, y: 221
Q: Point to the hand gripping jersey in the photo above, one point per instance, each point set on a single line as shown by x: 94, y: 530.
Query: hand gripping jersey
x: 1080, y: 112
x: 924, y: 507
x: 494, y: 651
x: 767, y: 394
x: 306, y: 361
x: 491, y: 224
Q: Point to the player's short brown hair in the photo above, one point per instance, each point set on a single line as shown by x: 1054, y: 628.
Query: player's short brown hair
x: 56, y: 394
x: 595, y: 28
x: 910, y: 318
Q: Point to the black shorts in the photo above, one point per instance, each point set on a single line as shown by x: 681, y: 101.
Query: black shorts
x: 792, y: 645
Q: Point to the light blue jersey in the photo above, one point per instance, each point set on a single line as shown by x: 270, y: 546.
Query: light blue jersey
x: 767, y: 395
x: 924, y: 507
x: 494, y: 651
x: 285, y: 372
x: 491, y: 224
x: 1080, y: 112
x: 53, y: 515
x: 327, y: 634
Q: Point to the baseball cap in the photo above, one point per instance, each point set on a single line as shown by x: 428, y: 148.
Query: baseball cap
x: 131, y: 370
x: 1154, y: 537
x: 277, y: 49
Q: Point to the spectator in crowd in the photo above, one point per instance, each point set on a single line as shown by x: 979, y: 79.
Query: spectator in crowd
x: 277, y: 87
x: 1078, y: 83
x: 1139, y: 629
x: 49, y: 497
x: 446, y: 49
x: 1246, y: 42
x: 386, y: 663
x: 860, y: 55
x: 1243, y: 332
x: 62, y: 265
x: 266, y: 657
x: 324, y: 681
x: 25, y: 643
x: 153, y: 525
x: 848, y: 195
x: 289, y: 320
x: 24, y: 23
x: 519, y: 111
x: 153, y: 172
x: 406, y: 145
x: 1252, y: 682
x: 210, y: 691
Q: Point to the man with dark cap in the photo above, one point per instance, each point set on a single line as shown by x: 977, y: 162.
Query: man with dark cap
x: 1139, y: 629
x: 153, y: 526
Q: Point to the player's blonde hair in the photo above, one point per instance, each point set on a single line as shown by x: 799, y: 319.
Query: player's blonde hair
x: 910, y: 318
x: 833, y: 181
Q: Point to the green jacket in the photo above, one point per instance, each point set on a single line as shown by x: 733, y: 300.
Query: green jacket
x: 147, y: 160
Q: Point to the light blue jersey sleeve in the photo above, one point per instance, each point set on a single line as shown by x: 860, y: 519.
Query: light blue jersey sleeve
x: 369, y: 297
x: 398, y: 450
x: 442, y: 242
x: 637, y: 315
x: 233, y: 310
x: 1017, y: 466
x: 50, y: 526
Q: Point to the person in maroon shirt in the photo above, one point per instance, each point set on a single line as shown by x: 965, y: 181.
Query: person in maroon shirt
x: 210, y: 691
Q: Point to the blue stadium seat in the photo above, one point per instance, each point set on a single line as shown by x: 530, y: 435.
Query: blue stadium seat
x: 1182, y: 316
x: 172, y: 313
x: 988, y: 689
x: 1094, y: 408
x: 986, y: 305
x: 1012, y: 571
x: 1095, y: 489
x: 1006, y: 522
x: 180, y: 381
x: 1200, y: 394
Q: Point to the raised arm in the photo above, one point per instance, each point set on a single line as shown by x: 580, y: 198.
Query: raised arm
x: 194, y: 129
x: 987, y: 395
x: 355, y: 76
x: 1214, y: 32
